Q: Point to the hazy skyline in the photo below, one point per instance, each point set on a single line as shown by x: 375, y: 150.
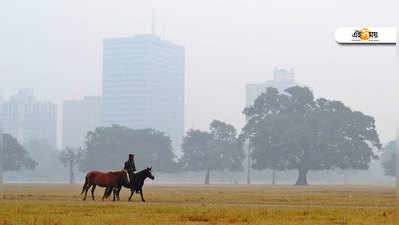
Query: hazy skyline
x: 55, y: 48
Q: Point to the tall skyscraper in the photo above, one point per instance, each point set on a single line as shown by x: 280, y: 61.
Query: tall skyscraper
x: 282, y: 79
x: 25, y: 118
x: 79, y: 117
x: 143, y: 84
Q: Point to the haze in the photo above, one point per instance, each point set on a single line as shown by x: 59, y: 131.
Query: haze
x: 55, y: 47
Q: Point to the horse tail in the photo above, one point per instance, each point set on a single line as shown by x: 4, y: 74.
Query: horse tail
x: 84, y: 186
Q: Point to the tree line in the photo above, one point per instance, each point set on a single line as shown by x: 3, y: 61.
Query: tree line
x: 290, y: 130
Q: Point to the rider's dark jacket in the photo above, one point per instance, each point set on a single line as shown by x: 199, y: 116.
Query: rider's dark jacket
x: 130, y: 167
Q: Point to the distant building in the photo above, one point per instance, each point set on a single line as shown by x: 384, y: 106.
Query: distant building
x: 282, y: 79
x: 25, y: 118
x: 143, y: 84
x: 79, y: 117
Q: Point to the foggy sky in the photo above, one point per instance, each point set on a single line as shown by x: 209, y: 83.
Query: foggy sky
x: 54, y: 47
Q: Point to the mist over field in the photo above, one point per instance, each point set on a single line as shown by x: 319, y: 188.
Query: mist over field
x: 56, y: 48
x: 198, y: 112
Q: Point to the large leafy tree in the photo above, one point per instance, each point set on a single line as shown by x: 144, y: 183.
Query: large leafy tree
x: 293, y: 130
x: 70, y: 158
x: 108, y: 147
x: 227, y: 145
x: 388, y: 159
x: 218, y: 149
x: 14, y: 156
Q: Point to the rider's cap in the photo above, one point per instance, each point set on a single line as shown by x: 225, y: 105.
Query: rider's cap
x: 131, y: 155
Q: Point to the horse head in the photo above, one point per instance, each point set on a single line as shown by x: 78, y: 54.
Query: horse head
x: 148, y: 173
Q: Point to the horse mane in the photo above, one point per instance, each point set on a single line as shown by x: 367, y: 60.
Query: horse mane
x: 141, y: 172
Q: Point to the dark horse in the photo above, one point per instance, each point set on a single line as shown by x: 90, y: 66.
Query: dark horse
x: 112, y: 181
x: 137, y: 184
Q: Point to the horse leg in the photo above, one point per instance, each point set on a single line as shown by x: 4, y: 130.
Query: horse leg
x: 86, y: 190
x: 141, y: 193
x: 131, y: 194
x: 92, y: 192
x: 105, y: 192
x: 117, y: 192
x: 114, y: 193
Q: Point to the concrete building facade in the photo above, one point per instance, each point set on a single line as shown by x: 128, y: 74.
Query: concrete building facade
x: 25, y: 118
x: 79, y: 117
x: 143, y: 84
x: 282, y: 79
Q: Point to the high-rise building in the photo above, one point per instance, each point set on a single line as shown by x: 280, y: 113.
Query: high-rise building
x: 79, y: 117
x: 25, y: 118
x: 143, y: 84
x: 282, y: 79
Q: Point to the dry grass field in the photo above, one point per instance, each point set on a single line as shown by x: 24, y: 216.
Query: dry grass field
x: 59, y: 204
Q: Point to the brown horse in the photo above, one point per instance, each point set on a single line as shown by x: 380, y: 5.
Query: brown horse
x: 112, y: 181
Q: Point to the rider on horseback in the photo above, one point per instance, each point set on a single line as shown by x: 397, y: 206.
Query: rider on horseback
x: 130, y: 168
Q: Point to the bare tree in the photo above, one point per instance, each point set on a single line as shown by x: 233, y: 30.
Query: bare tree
x: 70, y: 157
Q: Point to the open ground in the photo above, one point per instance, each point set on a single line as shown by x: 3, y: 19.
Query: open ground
x: 59, y: 204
